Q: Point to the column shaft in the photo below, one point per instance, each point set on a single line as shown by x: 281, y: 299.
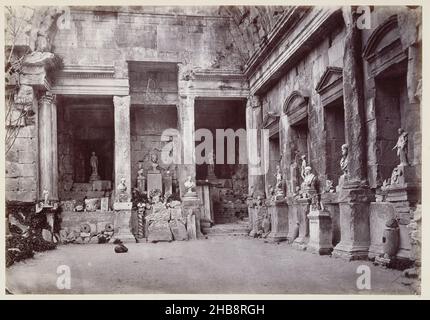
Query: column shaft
x: 122, y: 141
x: 48, y: 157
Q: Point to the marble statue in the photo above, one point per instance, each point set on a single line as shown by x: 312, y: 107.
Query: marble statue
x: 303, y: 166
x: 122, y: 191
x: 343, y: 167
x: 395, y: 176
x: 329, y: 186
x: 45, y: 196
x: 308, y: 183
x: 344, y: 159
x: 402, y: 147
x: 278, y: 176
x: 278, y: 193
x: 94, y: 161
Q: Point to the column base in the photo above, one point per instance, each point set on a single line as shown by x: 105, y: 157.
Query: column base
x: 122, y: 224
x: 277, y: 236
x: 301, y: 243
x: 351, y: 252
x: 191, y: 206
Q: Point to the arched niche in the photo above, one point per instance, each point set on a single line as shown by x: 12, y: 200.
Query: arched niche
x: 296, y: 137
x: 384, y: 48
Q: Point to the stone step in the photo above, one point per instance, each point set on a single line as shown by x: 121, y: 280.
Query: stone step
x: 228, y: 229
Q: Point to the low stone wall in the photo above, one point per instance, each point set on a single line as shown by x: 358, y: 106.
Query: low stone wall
x: 72, y: 221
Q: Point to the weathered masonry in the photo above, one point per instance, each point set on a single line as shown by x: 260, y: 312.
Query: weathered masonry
x: 96, y: 88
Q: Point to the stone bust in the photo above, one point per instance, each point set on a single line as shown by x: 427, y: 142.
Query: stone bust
x: 122, y: 191
x: 310, y: 178
x: 154, y: 162
x: 189, y: 185
x: 344, y: 159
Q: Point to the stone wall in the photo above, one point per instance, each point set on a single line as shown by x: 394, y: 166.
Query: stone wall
x: 303, y: 77
x: 147, y: 125
x: 103, y: 37
x: 22, y: 162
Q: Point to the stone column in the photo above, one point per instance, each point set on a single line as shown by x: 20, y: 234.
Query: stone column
x: 191, y: 204
x: 48, y: 154
x: 302, y: 207
x: 254, y: 120
x: 122, y: 140
x: 186, y: 118
x: 355, y: 196
x: 122, y: 204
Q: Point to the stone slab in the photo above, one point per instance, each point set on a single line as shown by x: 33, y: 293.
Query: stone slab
x: 122, y: 206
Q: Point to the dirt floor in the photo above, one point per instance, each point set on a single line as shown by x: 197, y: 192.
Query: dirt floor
x: 218, y: 265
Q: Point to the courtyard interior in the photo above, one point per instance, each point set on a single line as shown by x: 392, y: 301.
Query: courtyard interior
x: 218, y: 265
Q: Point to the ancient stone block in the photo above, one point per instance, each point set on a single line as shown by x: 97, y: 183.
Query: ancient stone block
x: 12, y: 184
x: 159, y: 230
x: 178, y: 230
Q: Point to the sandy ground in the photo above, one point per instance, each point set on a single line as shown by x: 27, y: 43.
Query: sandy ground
x: 225, y: 265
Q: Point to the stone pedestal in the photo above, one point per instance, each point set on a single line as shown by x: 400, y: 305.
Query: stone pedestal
x: 278, y: 211
x: 141, y: 184
x: 320, y: 232
x: 354, y: 204
x: 257, y: 220
x: 94, y: 177
x: 122, y: 225
x: 207, y: 214
x: 154, y: 181
x: 302, y: 218
x: 168, y: 184
x: 192, y: 212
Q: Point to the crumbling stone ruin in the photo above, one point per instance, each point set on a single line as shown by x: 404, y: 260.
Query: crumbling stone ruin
x: 90, y: 91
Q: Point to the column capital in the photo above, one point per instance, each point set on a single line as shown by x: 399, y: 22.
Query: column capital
x: 253, y: 102
x: 47, y: 97
x: 121, y: 101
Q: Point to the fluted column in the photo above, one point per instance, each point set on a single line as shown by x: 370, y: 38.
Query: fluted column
x: 48, y: 153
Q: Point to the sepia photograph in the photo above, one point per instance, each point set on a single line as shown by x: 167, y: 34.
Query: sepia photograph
x: 213, y: 149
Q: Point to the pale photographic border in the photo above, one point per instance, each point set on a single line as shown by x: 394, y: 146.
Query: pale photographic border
x: 425, y: 277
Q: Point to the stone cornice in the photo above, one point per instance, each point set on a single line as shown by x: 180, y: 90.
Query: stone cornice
x: 218, y: 74
x: 87, y: 71
x: 281, y: 28
x: 288, y: 51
